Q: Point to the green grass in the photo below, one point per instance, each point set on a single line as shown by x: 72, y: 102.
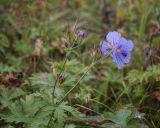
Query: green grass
x: 49, y: 78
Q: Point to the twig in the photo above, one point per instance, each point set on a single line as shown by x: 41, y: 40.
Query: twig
x: 86, y: 122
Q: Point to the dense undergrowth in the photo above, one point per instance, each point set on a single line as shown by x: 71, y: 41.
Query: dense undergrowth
x: 51, y: 77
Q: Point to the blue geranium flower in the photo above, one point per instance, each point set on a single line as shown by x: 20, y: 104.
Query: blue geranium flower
x: 118, y: 47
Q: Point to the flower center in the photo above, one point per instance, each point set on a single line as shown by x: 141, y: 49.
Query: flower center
x: 118, y: 50
x: 124, y: 54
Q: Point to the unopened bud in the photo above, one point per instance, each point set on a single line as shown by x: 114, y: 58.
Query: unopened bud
x: 81, y: 34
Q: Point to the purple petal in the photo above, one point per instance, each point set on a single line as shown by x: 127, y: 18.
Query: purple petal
x: 126, y: 57
x: 127, y: 44
x: 113, y: 37
x: 117, y: 58
x: 130, y: 45
x: 104, y: 48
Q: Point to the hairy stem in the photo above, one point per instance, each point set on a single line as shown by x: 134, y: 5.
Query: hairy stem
x: 54, y: 88
x: 76, y: 83
x: 55, y: 84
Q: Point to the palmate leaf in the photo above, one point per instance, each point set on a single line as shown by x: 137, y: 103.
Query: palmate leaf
x: 119, y: 118
x: 43, y: 80
x: 72, y: 66
x: 60, y: 115
x: 46, y: 97
x: 6, y: 96
x: 29, y: 111
x: 61, y: 112
x: 69, y: 109
x: 23, y: 110
x: 124, y: 119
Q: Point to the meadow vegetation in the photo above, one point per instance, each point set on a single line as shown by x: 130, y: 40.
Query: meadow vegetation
x: 55, y: 74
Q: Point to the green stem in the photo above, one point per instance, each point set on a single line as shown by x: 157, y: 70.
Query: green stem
x: 55, y: 84
x: 103, y: 105
x: 92, y: 64
x: 76, y: 83
x: 54, y: 88
x: 125, y: 89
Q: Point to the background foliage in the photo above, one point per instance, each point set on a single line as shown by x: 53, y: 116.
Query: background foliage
x: 34, y: 40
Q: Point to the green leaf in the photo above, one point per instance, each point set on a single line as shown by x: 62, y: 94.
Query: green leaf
x: 3, y: 43
x: 119, y: 117
x: 30, y: 111
x: 7, y: 96
x: 6, y: 68
x: 60, y: 113
x: 123, y: 119
x: 22, y: 47
x: 43, y: 80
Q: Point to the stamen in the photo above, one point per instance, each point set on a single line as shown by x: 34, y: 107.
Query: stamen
x: 118, y: 50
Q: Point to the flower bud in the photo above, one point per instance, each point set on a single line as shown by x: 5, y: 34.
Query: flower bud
x: 81, y: 34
